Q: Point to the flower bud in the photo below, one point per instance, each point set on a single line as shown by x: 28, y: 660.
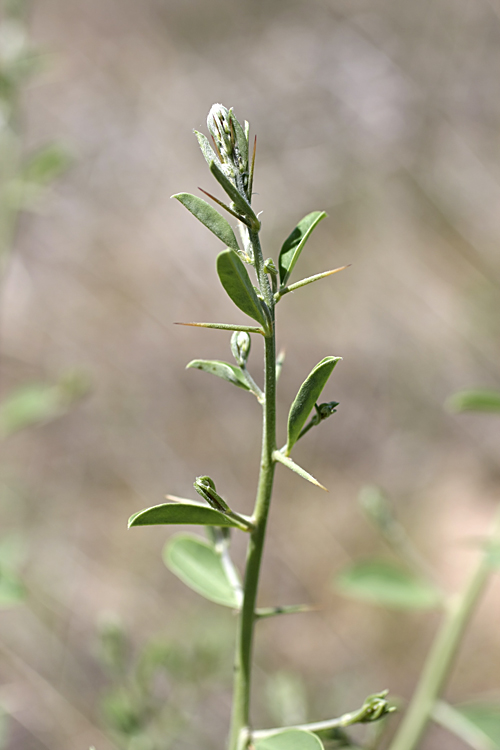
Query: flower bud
x: 205, y: 487
x: 219, y: 126
x: 240, y: 346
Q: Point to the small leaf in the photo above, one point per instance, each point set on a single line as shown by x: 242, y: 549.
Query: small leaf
x: 198, y: 565
x: 485, y: 716
x: 180, y: 513
x: 236, y: 281
x: 208, y: 216
x: 223, y: 370
x: 290, y: 739
x: 386, y: 584
x: 38, y: 403
x: 292, y: 246
x: 286, y: 461
x: 47, y: 164
x: 12, y: 591
x: 240, y: 203
x: 307, y: 396
x: 206, y: 148
x: 477, y: 400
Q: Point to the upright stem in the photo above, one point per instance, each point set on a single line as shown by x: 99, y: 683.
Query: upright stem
x: 441, y: 656
x: 244, y: 642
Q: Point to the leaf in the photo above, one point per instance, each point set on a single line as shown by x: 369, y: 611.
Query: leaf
x: 180, y: 513
x: 485, y: 716
x: 286, y: 461
x: 308, y: 394
x: 236, y: 281
x: 45, y: 165
x: 12, y: 591
x: 223, y: 370
x: 240, y: 203
x: 39, y: 402
x: 198, y: 565
x: 208, y: 216
x: 292, y: 246
x: 456, y: 721
x: 476, y: 400
x: 206, y: 148
x: 290, y: 739
x: 386, y: 584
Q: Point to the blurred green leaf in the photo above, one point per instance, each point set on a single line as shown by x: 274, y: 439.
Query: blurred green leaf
x: 292, y: 246
x: 39, y: 402
x: 180, y: 513
x: 492, y: 552
x: 46, y: 164
x: 236, y: 281
x: 198, y: 565
x: 290, y: 739
x: 208, y: 216
x: 241, y: 205
x: 223, y: 370
x: 307, y: 396
x: 12, y: 591
x: 485, y: 716
x: 386, y: 584
x: 475, y: 400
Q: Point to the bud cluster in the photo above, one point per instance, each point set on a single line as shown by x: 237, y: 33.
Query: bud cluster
x: 231, y: 143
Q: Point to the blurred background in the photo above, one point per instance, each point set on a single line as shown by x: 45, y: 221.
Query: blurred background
x: 387, y: 116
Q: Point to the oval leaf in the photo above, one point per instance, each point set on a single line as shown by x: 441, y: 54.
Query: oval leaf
x: 208, y: 216
x: 180, y: 513
x: 380, y: 582
x: 223, y: 370
x: 290, y: 739
x: 308, y: 394
x: 236, y: 281
x: 477, y: 400
x: 486, y: 717
x: 198, y: 565
x: 292, y: 246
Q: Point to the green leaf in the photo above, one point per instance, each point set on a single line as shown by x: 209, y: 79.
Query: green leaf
x: 39, y: 402
x: 458, y: 723
x: 240, y: 203
x: 12, y: 591
x: 307, y: 396
x: 236, y: 281
x: 477, y: 400
x: 223, y: 370
x: 292, y: 246
x: 197, y: 564
x: 206, y: 148
x: 208, y: 216
x: 47, y: 164
x: 180, y: 513
x: 485, y: 716
x: 386, y: 584
x: 290, y: 739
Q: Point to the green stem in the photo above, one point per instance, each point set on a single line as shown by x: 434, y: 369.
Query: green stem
x: 441, y: 656
x: 244, y: 644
